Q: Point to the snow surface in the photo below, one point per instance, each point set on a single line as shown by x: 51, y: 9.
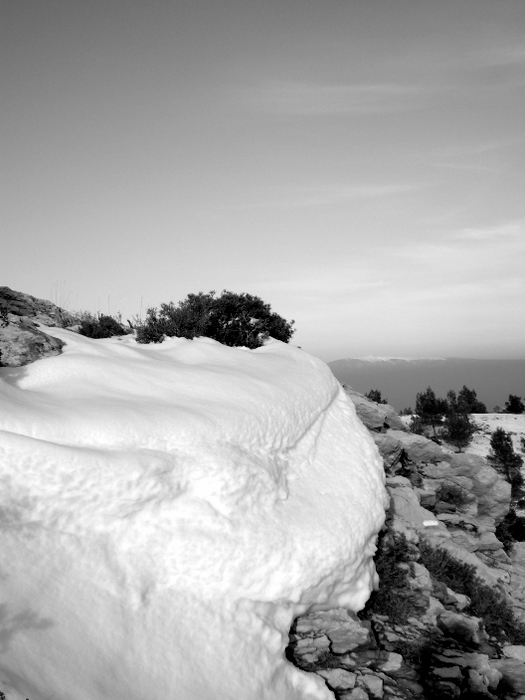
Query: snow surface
x: 487, y: 423
x: 167, y: 510
x: 374, y: 358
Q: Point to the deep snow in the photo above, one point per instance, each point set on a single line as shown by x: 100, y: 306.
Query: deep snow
x: 487, y: 423
x: 167, y: 510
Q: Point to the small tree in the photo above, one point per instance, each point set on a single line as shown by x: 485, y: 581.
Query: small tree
x: 468, y: 402
x: 458, y: 430
x: 375, y: 395
x: 514, y: 404
x: 430, y: 409
x: 465, y: 403
x: 505, y: 460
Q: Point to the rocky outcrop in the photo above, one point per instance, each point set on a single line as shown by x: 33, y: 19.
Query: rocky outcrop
x: 444, y: 506
x: 22, y: 343
x: 16, y: 305
x: 376, y: 416
x: 21, y: 339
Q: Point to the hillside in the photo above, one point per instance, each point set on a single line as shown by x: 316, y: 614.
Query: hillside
x: 448, y: 620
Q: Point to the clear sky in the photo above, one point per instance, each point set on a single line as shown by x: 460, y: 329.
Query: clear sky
x: 358, y: 164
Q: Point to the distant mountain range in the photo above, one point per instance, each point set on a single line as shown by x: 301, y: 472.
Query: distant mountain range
x: 400, y: 379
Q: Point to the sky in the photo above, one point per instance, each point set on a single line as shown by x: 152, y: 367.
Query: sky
x: 357, y: 164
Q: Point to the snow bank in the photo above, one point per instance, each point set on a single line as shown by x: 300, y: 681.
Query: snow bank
x: 487, y: 423
x: 167, y: 510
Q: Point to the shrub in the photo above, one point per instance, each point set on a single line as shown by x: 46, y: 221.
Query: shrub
x: 101, y: 327
x: 452, y: 494
x: 511, y: 529
x: 416, y: 426
x: 488, y: 603
x: 392, y: 599
x: 232, y: 319
x: 375, y: 395
x: 4, y: 315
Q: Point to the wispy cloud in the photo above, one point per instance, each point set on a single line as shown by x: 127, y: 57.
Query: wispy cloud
x: 514, y: 229
x: 311, y: 99
x: 298, y: 197
x: 477, y: 157
x: 502, y: 55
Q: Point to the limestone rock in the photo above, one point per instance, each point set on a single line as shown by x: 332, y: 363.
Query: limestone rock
x: 465, y: 628
x: 375, y: 416
x: 355, y: 694
x: 21, y: 344
x: 514, y: 651
x: 513, y: 673
x: 19, y: 304
x: 408, y: 517
x: 21, y: 339
x: 338, y: 678
x: 390, y: 448
x: 373, y: 685
x: 419, y: 449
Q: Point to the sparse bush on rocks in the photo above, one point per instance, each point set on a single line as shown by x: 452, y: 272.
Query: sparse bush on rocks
x: 375, y: 396
x: 416, y: 426
x: 452, y: 494
x: 488, y: 603
x: 393, y: 564
x: 511, y: 529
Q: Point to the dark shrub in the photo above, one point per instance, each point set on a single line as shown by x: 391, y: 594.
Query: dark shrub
x: 453, y: 494
x: 375, y: 395
x: 393, y: 564
x: 511, y: 529
x: 232, y: 319
x: 488, y: 603
x: 101, y: 327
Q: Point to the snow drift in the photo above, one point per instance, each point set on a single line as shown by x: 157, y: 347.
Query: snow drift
x: 166, y: 511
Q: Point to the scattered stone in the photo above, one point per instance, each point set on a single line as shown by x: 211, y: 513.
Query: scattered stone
x: 338, y: 678
x: 373, y: 685
x: 514, y: 651
x: 21, y: 344
x: 513, y: 673
x: 376, y: 416
x: 355, y: 694
x: 462, y: 627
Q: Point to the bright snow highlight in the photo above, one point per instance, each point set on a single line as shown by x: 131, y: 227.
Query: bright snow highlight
x: 166, y: 512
